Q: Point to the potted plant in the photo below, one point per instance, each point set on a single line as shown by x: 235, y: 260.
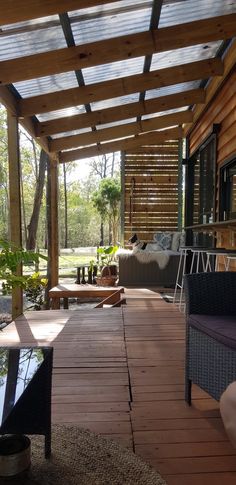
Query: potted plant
x: 107, y: 266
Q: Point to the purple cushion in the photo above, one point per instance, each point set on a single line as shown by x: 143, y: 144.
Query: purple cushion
x: 222, y: 328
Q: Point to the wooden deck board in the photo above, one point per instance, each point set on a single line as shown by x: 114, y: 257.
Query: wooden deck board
x: 120, y: 373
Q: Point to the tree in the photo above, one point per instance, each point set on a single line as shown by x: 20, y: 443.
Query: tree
x: 107, y: 202
x: 38, y: 195
x: 3, y: 176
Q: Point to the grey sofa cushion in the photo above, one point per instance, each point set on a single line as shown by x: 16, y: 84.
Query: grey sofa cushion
x: 222, y: 328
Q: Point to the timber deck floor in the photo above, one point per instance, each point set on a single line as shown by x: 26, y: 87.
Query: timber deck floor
x: 120, y: 373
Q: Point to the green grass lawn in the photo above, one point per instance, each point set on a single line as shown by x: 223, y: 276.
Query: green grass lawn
x: 67, y: 265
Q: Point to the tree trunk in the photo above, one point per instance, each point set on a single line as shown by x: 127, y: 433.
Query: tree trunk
x: 33, y: 225
x: 102, y: 234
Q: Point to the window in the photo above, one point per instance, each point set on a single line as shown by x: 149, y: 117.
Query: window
x: 202, y: 181
x: 228, y: 191
x: 204, y: 161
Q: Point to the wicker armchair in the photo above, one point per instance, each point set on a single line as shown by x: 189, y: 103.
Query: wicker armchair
x: 210, y: 332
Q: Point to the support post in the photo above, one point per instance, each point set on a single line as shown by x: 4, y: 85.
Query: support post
x: 15, y: 203
x: 180, y: 185
x: 53, y: 245
x: 122, y: 208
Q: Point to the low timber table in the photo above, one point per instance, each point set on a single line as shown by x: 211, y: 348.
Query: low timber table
x: 67, y: 291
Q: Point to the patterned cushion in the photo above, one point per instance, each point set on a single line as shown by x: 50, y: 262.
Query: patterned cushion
x: 164, y: 239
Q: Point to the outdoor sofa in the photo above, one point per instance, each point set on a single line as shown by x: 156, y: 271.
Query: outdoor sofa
x: 155, y: 265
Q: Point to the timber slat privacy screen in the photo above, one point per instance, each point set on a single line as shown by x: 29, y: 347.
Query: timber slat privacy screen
x: 151, y: 190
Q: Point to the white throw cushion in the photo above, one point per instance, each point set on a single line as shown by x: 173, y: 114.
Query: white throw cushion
x: 175, y: 241
x: 182, y: 239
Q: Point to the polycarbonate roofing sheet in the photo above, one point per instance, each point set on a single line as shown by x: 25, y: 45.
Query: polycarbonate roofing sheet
x: 14, y: 45
x: 61, y: 113
x: 110, y: 103
x: 105, y: 9
x: 71, y: 133
x: 113, y: 25
x: 190, y: 10
x: 116, y: 123
x: 184, y: 55
x: 176, y: 88
x: 46, y: 84
x: 113, y: 70
x: 167, y: 112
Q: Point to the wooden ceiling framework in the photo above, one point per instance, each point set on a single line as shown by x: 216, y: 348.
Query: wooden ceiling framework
x: 75, y: 58
x: 185, y: 53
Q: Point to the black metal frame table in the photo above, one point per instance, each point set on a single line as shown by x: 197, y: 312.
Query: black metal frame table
x: 25, y: 392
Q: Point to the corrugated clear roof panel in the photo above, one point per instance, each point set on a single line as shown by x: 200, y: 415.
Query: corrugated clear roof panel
x: 107, y: 7
x: 184, y: 55
x: 61, y: 113
x: 109, y: 103
x: 46, y: 84
x: 92, y: 28
x: 113, y: 70
x: 33, y: 24
x: 116, y: 123
x: 71, y: 133
x: 190, y: 10
x: 176, y: 88
x: 162, y: 113
x: 15, y: 44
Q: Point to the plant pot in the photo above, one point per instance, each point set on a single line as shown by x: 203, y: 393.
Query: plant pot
x: 106, y: 280
x: 14, y: 455
x: 110, y: 270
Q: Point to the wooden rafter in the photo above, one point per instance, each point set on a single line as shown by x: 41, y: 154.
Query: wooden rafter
x: 117, y: 49
x: 13, y: 11
x: 120, y: 131
x: 120, y: 87
x: 11, y: 103
x: 123, y: 112
x: 151, y: 138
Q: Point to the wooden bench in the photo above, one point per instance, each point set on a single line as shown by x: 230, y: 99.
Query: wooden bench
x: 67, y: 291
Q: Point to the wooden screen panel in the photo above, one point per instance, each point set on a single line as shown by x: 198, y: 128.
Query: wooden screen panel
x: 151, y: 190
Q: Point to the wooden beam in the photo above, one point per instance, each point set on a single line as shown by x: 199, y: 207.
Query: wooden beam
x: 229, y: 63
x: 11, y: 103
x: 15, y: 203
x: 120, y: 87
x: 122, y: 112
x: 117, y: 49
x: 121, y: 131
x: 151, y: 138
x: 13, y: 11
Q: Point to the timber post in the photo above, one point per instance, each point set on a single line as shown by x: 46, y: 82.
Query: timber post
x: 15, y: 203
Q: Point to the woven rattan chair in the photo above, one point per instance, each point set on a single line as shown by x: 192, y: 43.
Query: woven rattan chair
x: 210, y: 332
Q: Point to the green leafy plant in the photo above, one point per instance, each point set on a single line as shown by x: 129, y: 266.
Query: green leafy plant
x: 106, y: 255
x: 11, y: 257
x: 35, y: 290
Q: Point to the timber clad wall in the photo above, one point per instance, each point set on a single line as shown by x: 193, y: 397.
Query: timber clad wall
x: 221, y: 111
x: 151, y: 190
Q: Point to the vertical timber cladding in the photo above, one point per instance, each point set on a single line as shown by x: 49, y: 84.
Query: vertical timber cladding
x: 151, y: 190
x: 221, y: 111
